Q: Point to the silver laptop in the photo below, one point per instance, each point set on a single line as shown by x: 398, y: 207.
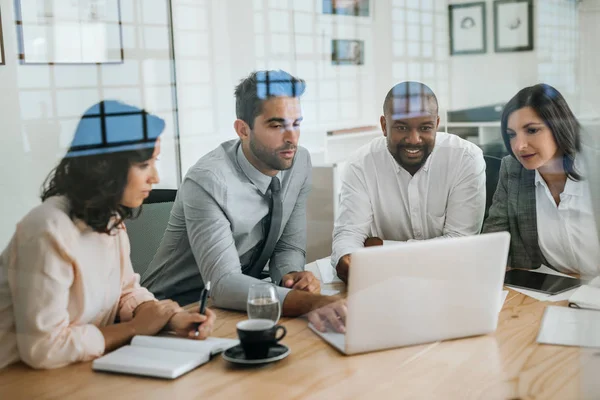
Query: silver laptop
x: 421, y: 292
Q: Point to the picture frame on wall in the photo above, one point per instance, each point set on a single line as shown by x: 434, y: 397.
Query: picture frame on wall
x: 2, y: 59
x: 513, y: 25
x: 347, y: 52
x: 356, y: 8
x: 69, y: 32
x: 467, y: 24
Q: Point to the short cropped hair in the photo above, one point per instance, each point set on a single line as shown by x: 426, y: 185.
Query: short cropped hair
x: 259, y: 86
x: 410, y: 97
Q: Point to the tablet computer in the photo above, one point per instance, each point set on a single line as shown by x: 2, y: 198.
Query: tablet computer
x: 539, y: 282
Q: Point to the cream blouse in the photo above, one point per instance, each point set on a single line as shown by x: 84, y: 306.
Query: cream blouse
x: 59, y: 282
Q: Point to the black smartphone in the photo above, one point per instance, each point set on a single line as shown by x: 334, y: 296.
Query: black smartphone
x: 539, y: 282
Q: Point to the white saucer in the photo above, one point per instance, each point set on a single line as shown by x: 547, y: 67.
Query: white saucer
x: 236, y: 355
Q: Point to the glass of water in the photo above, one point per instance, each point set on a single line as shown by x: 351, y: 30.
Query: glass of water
x: 263, y: 302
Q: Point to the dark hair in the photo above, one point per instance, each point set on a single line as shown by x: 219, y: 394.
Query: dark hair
x: 259, y: 86
x: 405, y: 92
x: 94, y: 186
x: 110, y: 137
x: 550, y: 106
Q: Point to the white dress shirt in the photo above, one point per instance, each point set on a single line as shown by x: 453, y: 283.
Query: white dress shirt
x: 567, y: 233
x: 446, y: 197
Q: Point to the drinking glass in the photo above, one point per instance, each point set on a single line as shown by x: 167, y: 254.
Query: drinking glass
x: 263, y: 302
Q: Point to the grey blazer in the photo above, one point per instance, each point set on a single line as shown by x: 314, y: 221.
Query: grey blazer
x: 513, y: 210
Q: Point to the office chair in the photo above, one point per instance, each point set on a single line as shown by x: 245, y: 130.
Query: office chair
x: 492, y: 174
x: 146, y: 231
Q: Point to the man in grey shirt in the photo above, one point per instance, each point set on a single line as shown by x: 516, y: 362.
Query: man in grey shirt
x: 221, y: 220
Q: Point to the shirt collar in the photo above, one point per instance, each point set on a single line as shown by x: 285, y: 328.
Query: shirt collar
x: 260, y: 180
x: 572, y: 188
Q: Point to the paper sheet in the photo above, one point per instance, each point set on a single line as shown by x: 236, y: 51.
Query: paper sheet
x: 327, y: 272
x: 543, y: 296
x: 323, y: 270
x: 586, y: 296
x: 504, y: 294
x: 329, y: 292
x: 570, y: 327
x: 595, y: 282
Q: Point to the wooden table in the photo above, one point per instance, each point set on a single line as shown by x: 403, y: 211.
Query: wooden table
x: 508, y: 364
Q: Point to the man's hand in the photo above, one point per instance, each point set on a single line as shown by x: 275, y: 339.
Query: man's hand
x: 373, y: 241
x: 304, y: 280
x: 331, y: 314
x: 343, y: 267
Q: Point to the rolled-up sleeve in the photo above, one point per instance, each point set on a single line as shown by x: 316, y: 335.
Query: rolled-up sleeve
x: 132, y: 294
x: 212, y: 243
x: 466, y: 200
x: 40, y: 280
x: 355, y: 218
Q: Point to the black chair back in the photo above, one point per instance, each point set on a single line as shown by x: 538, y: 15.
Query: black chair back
x: 146, y: 232
x: 492, y: 174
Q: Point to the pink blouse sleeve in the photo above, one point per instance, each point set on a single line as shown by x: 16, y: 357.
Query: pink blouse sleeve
x: 40, y: 278
x: 132, y: 294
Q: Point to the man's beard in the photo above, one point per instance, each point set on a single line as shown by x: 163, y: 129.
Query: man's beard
x: 402, y: 159
x: 271, y: 157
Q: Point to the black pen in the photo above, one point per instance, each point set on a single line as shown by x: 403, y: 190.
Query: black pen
x: 203, y: 297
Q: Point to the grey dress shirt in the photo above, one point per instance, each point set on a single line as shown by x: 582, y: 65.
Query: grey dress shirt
x: 513, y: 210
x: 220, y: 220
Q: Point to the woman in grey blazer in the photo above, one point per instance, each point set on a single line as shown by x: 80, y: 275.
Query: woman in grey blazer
x: 540, y: 198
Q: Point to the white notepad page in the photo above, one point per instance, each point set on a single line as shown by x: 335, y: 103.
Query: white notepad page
x: 587, y: 296
x: 570, y: 327
x: 161, y: 357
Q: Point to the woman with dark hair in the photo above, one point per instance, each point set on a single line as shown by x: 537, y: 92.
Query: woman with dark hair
x: 541, y: 198
x: 66, y: 276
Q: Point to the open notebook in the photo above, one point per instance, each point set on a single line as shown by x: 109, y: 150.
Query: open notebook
x: 569, y: 327
x: 587, y: 296
x: 161, y: 357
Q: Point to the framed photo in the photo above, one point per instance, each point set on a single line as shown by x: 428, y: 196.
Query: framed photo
x: 69, y: 31
x: 467, y: 28
x: 357, y: 8
x: 347, y: 52
x: 2, y: 62
x: 513, y: 25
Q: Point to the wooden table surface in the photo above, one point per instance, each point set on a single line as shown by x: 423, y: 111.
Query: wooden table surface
x: 508, y: 364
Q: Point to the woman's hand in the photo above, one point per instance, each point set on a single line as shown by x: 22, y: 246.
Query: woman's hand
x: 152, y: 316
x: 185, y: 324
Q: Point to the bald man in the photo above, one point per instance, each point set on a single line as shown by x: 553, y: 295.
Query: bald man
x: 413, y: 183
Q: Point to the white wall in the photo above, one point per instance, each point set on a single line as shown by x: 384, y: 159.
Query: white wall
x: 589, y: 67
x: 243, y: 35
x: 240, y: 36
x: 40, y: 105
x: 484, y: 79
x: 218, y: 42
x: 209, y: 62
